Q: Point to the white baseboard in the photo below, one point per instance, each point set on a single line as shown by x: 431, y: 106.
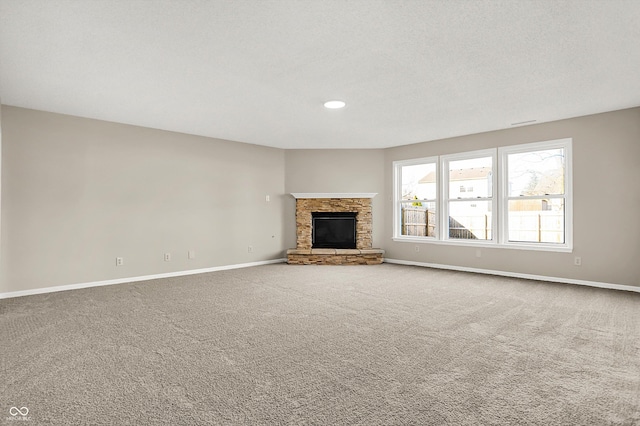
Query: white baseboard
x: 517, y: 275
x: 134, y: 279
x: 268, y: 262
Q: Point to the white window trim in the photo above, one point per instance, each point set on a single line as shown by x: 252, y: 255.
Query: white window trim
x: 397, y: 190
x: 444, y: 184
x: 499, y: 198
x: 503, y: 152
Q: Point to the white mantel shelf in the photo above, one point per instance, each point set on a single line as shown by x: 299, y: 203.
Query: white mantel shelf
x: 297, y: 195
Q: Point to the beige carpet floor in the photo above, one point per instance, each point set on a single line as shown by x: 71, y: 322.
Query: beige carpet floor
x: 323, y: 345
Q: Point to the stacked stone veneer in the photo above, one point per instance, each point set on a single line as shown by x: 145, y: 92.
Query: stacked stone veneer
x: 363, y: 254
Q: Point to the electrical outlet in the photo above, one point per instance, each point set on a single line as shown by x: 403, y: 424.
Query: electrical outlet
x: 577, y: 261
x: 119, y: 261
x: 267, y: 198
x: 250, y: 249
x: 417, y: 248
x: 191, y: 254
x: 167, y: 257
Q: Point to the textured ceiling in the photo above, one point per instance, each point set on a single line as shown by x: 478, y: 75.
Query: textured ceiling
x: 259, y: 71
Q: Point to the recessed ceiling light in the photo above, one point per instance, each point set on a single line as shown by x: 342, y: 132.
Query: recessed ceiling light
x: 334, y: 104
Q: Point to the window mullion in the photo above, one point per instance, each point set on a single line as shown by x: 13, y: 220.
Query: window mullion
x: 503, y: 198
x: 536, y: 197
x: 472, y: 199
x: 444, y: 203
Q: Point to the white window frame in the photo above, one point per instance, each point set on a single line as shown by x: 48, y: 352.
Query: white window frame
x: 444, y: 190
x: 503, y: 153
x: 500, y: 199
x: 397, y: 197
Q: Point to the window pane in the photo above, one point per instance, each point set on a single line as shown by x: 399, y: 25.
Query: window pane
x: 418, y: 182
x: 539, y: 221
x: 470, y: 220
x: 536, y: 173
x: 418, y: 219
x: 471, y: 178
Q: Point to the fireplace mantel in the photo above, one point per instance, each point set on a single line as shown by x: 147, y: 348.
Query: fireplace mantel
x: 299, y: 195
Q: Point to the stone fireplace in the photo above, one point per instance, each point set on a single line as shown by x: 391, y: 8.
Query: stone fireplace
x: 356, y: 205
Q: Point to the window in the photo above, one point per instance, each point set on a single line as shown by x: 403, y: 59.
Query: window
x: 536, y: 193
x: 468, y: 213
x: 517, y: 196
x: 417, y: 189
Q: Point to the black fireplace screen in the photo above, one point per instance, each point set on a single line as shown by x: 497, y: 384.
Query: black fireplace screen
x: 334, y: 230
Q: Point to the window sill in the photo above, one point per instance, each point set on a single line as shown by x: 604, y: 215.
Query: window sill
x: 560, y: 248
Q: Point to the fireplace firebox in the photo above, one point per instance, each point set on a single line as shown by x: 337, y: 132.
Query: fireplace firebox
x: 335, y: 230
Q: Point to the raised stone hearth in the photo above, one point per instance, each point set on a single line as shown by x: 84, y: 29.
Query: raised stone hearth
x: 305, y: 254
x: 334, y: 257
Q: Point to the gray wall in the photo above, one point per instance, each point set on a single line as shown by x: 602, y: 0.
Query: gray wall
x: 606, y: 173
x: 1, y: 195
x: 335, y: 170
x: 77, y: 193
